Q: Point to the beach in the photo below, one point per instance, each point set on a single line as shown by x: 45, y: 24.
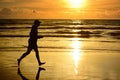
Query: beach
x: 72, y: 51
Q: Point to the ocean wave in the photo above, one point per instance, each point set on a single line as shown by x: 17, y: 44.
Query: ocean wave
x: 3, y: 27
x: 69, y: 34
x: 62, y: 21
x: 63, y: 27
x: 114, y: 33
x: 53, y: 49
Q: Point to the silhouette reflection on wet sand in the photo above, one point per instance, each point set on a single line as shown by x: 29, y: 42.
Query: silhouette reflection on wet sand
x: 37, y: 75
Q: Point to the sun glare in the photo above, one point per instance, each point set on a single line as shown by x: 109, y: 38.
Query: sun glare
x: 76, y: 3
x: 77, y: 55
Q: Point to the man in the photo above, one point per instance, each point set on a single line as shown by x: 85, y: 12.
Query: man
x: 33, y: 43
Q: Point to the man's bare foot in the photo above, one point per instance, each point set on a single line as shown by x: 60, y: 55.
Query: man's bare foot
x: 41, y: 63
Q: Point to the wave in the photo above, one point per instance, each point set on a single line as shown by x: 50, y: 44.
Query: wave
x: 63, y: 27
x: 54, y: 35
x: 52, y: 49
x: 3, y: 27
x: 70, y: 34
x: 62, y: 21
x: 115, y: 33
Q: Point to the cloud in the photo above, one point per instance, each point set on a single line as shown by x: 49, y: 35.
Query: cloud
x: 6, y: 11
x: 7, y: 1
x: 19, y: 13
x: 18, y: 0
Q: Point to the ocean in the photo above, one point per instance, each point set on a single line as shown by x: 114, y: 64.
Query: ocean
x: 105, y: 31
x: 93, y: 44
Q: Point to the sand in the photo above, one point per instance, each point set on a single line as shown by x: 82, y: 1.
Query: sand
x: 85, y: 65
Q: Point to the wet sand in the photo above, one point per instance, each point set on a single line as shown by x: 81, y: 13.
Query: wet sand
x: 66, y: 59
x: 85, y: 65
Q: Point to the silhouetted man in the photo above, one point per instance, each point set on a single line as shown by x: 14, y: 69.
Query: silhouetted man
x: 33, y: 43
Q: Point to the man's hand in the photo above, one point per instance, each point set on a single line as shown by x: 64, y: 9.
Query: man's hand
x: 40, y: 36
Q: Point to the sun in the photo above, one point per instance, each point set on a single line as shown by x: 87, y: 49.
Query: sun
x: 76, y: 3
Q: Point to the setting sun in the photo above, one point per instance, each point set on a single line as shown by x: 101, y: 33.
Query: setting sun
x: 76, y: 3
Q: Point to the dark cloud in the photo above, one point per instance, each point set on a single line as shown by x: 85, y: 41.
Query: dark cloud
x: 4, y: 1
x: 6, y: 11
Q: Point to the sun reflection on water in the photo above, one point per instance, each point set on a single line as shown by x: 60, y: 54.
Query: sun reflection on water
x: 77, y: 55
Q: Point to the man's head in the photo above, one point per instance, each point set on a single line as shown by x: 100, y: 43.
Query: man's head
x: 37, y: 22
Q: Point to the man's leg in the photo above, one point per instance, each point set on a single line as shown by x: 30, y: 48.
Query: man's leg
x: 37, y: 56
x: 24, y: 55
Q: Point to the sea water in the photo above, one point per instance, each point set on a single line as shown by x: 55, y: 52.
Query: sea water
x: 59, y: 30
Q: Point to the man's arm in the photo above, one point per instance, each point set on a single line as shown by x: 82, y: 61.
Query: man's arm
x: 40, y: 37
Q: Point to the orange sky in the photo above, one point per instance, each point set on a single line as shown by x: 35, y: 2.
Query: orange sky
x: 60, y: 9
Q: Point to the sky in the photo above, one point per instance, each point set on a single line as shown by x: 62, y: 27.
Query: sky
x: 59, y: 9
